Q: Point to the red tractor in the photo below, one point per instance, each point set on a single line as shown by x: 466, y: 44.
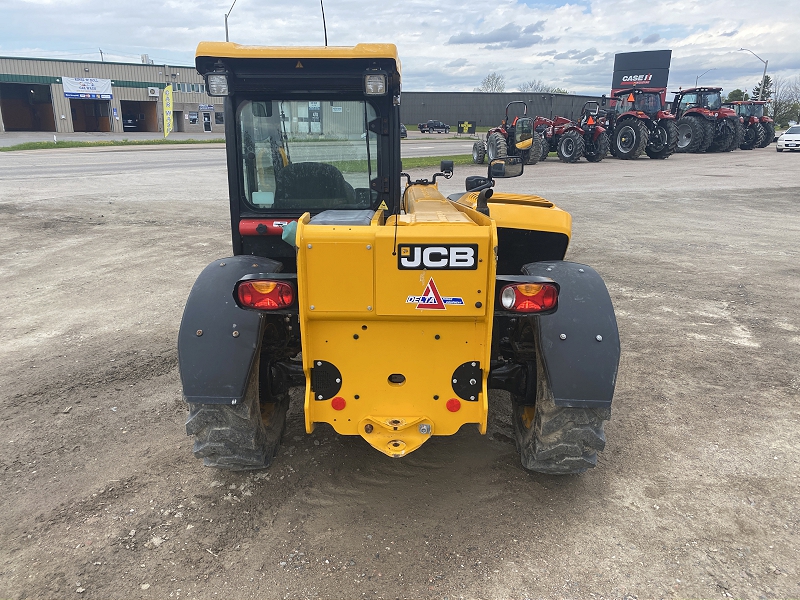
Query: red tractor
x: 514, y: 137
x: 703, y: 123
x: 759, y: 130
x: 572, y: 140
x: 639, y: 123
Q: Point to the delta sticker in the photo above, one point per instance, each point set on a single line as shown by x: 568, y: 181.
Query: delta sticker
x: 432, y: 299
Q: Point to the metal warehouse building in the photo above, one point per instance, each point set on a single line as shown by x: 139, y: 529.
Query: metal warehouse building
x: 64, y: 96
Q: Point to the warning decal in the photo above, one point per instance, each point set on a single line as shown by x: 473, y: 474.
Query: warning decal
x: 432, y: 299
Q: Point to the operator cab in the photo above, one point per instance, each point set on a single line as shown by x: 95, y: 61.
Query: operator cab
x: 638, y: 101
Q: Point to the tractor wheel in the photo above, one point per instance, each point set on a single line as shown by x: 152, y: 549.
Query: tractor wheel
x: 570, y: 147
x: 690, y: 134
x: 663, y: 144
x: 598, y: 150
x: 737, y: 139
x: 724, y: 135
x: 753, y: 137
x: 535, y: 151
x: 552, y: 439
x: 496, y: 147
x: 769, y: 134
x: 630, y: 139
x: 708, y: 134
x: 247, y: 435
x: 545, y: 148
x: 478, y: 152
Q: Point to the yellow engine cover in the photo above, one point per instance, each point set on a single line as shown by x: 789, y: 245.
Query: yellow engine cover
x: 396, y: 308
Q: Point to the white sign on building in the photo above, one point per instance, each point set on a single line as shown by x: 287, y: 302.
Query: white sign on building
x: 87, y: 88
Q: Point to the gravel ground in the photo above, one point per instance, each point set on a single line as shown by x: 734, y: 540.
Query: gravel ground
x: 696, y: 494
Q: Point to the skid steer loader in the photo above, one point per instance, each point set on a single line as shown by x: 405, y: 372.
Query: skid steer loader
x: 396, y: 310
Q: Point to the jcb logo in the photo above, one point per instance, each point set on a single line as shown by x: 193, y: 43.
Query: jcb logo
x: 442, y: 257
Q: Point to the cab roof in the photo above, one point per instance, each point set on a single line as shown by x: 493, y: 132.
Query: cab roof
x: 214, y: 50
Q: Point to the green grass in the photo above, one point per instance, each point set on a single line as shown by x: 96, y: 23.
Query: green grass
x: 419, y: 162
x: 71, y: 144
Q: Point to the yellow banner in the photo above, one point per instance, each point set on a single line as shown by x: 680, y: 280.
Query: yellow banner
x: 168, y: 125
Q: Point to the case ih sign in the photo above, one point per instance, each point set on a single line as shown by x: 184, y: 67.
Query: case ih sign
x: 641, y: 69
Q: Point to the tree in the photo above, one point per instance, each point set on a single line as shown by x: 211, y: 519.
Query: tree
x: 539, y: 86
x: 737, y: 95
x: 784, y: 99
x: 767, y: 88
x: 492, y: 83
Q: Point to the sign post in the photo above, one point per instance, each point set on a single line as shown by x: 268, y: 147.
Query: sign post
x: 168, y: 125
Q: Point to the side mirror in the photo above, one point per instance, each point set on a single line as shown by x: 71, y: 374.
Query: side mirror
x: 503, y: 168
x: 475, y: 181
x: 446, y: 167
x: 603, y: 97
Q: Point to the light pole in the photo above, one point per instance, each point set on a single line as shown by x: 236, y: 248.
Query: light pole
x: 764, y: 78
x: 226, y: 20
x: 699, y: 76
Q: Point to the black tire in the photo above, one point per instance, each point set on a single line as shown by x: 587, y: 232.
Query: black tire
x: 570, y: 147
x: 556, y: 440
x: 598, y: 149
x: 545, y: 148
x: 496, y: 147
x: 724, y: 135
x: 663, y: 143
x: 691, y: 132
x: 737, y: 139
x: 708, y: 134
x: 769, y: 134
x: 243, y: 436
x: 753, y: 137
x: 478, y: 152
x: 534, y: 153
x: 630, y: 139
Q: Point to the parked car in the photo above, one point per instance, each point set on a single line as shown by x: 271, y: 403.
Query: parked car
x: 789, y: 139
x: 434, y: 127
x: 403, y: 131
x: 130, y: 122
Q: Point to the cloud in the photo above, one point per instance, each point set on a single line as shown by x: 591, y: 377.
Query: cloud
x: 507, y: 36
x: 459, y: 62
x: 581, y: 56
x: 651, y: 39
x: 730, y: 33
x: 633, y: 40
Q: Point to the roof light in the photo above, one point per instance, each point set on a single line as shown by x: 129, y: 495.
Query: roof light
x: 529, y: 297
x: 265, y: 295
x: 375, y: 85
x: 217, y: 84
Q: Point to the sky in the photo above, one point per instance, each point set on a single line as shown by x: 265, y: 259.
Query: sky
x: 444, y: 45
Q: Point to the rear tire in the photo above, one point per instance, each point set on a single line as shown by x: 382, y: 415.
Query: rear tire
x: 630, y: 139
x: 535, y: 151
x: 667, y: 140
x: 496, y: 147
x: 545, y: 148
x: 247, y: 435
x: 552, y: 439
x: 708, y: 134
x: 724, y: 135
x: 753, y: 137
x: 598, y: 150
x: 690, y: 134
x: 769, y: 134
x: 737, y: 139
x: 570, y: 147
x: 478, y: 152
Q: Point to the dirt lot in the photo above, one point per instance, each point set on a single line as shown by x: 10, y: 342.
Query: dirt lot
x: 696, y: 494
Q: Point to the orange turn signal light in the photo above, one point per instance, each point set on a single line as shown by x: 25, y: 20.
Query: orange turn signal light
x: 529, y: 297
x: 265, y: 294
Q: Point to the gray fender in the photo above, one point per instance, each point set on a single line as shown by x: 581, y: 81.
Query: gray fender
x: 218, y: 341
x: 579, y: 342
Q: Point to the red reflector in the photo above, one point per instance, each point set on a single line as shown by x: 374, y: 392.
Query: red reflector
x: 453, y: 405
x: 529, y: 297
x: 265, y: 295
x: 338, y: 403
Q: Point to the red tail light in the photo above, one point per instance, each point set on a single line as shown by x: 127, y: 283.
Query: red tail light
x: 265, y: 295
x: 529, y: 297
